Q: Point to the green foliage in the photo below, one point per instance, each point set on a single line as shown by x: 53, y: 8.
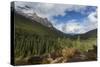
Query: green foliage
x: 30, y: 45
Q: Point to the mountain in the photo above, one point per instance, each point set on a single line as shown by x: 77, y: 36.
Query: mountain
x: 90, y: 34
x: 28, y: 26
x: 43, y: 21
x: 33, y: 16
x: 35, y: 24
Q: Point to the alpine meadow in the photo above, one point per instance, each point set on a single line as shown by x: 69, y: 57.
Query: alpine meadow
x: 46, y: 33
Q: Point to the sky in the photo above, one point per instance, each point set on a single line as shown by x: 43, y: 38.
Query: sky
x: 68, y: 18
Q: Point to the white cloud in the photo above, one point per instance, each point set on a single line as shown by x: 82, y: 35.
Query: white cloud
x: 73, y: 26
x: 93, y: 17
x: 90, y: 22
x: 49, y: 10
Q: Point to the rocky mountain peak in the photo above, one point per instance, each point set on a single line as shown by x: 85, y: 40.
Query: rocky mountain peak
x: 33, y: 16
x: 43, y: 21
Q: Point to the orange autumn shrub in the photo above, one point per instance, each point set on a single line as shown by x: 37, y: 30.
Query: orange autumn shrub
x: 69, y: 52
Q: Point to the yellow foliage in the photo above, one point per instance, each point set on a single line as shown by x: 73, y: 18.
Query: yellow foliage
x: 68, y: 52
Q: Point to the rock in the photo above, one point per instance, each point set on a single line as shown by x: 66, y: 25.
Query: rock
x: 35, y: 60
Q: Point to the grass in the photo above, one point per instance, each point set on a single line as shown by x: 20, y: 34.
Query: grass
x: 31, y: 45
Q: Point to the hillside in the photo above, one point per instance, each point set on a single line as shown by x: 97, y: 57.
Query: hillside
x: 23, y: 24
x: 89, y: 34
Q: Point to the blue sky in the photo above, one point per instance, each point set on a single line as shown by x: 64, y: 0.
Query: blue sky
x: 67, y: 18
